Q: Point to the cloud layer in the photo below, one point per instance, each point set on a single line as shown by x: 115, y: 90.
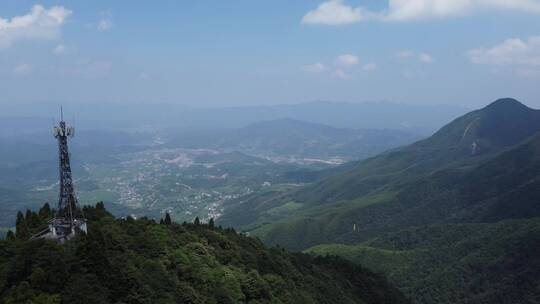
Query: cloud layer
x: 514, y: 52
x: 343, y: 66
x: 105, y: 23
x: 337, y: 12
x: 334, y: 12
x: 22, y: 69
x: 39, y: 24
x: 315, y: 68
x: 347, y: 60
x: 408, y: 54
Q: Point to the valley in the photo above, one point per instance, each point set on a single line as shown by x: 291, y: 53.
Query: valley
x: 187, y: 174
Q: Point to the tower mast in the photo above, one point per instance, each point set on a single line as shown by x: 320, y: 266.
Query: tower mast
x: 68, y: 219
x: 67, y: 201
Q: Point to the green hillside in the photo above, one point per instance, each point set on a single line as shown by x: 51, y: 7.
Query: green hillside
x: 466, y: 263
x: 140, y: 261
x: 504, y: 187
x: 435, y: 181
x: 450, y: 219
x: 467, y: 140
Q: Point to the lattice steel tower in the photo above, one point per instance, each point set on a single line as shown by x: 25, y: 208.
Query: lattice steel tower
x: 67, y: 201
x: 68, y: 219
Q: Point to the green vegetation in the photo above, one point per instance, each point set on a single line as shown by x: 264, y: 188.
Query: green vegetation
x: 3, y: 232
x: 287, y: 207
x: 439, y: 180
x: 140, y: 261
x: 504, y: 187
x: 472, y: 188
x: 470, y: 263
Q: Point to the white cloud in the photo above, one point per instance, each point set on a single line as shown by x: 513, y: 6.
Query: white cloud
x: 59, y: 49
x: 336, y: 12
x: 339, y: 73
x: 405, y: 54
x: 370, y: 67
x: 404, y: 10
x: 39, y: 24
x: 343, y: 64
x: 314, y: 68
x: 23, y: 69
x: 347, y: 60
x: 408, y: 54
x: 514, y: 52
x: 105, y: 23
x: 425, y: 58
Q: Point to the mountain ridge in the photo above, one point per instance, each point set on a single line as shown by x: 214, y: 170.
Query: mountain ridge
x: 445, y: 221
x: 407, y: 186
x: 285, y: 139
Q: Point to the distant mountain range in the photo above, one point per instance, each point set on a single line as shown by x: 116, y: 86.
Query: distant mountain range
x: 483, y: 167
x: 294, y: 140
x: 371, y: 115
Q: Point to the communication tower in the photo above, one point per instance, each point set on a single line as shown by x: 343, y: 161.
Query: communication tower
x: 68, y: 219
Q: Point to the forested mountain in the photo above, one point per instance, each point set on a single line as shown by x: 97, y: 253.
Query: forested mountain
x: 481, y: 169
x: 458, y: 263
x: 140, y: 261
x: 463, y: 173
x: 467, y: 140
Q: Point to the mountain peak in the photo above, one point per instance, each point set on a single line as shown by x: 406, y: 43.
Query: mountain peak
x: 506, y: 104
x: 504, y: 122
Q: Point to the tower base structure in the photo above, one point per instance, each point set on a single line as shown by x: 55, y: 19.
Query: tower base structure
x: 62, y: 229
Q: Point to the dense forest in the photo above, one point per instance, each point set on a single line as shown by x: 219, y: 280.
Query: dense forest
x: 462, y: 263
x: 141, y: 261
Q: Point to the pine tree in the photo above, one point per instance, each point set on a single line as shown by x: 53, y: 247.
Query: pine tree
x: 45, y: 211
x: 100, y: 206
x: 168, y: 220
x: 20, y: 219
x: 211, y: 223
x: 21, y: 227
x: 28, y: 215
x: 197, y: 221
x: 10, y: 236
x: 34, y: 221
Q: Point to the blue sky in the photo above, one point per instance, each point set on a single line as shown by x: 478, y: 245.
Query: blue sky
x: 219, y: 53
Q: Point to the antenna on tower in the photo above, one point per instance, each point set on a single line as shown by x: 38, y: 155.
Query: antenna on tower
x: 61, y: 113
